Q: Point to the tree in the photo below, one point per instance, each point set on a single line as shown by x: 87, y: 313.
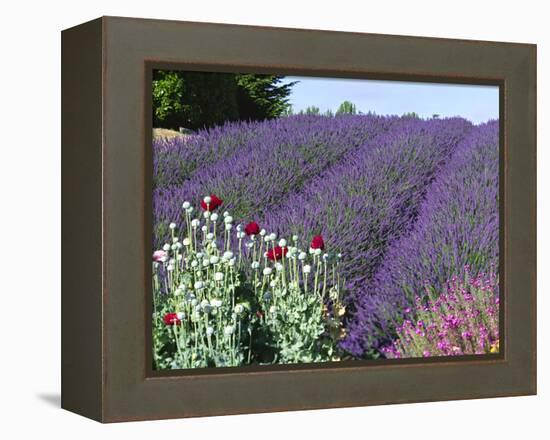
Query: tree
x: 197, y: 100
x: 311, y: 110
x: 262, y: 96
x: 347, y: 107
x: 167, y: 97
x: 193, y: 99
x: 289, y: 111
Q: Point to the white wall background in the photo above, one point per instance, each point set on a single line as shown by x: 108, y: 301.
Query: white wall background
x: 30, y: 218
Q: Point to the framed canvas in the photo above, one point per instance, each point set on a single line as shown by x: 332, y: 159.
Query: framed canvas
x: 303, y: 219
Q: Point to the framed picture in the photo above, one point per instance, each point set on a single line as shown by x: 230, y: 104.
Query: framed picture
x: 303, y: 219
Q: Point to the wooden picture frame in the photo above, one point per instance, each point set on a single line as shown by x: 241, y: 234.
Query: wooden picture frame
x: 106, y: 218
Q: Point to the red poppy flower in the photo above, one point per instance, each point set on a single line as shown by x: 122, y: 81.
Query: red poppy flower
x: 277, y: 253
x: 171, y: 319
x: 252, y: 228
x: 215, y: 202
x: 317, y: 242
x: 259, y: 314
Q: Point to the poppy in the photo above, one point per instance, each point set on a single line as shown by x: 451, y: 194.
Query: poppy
x: 171, y: 319
x: 317, y: 242
x: 159, y: 255
x: 252, y: 228
x: 277, y: 253
x: 215, y: 202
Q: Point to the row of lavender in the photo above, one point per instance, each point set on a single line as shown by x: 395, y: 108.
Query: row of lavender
x: 457, y: 230
x: 253, y: 166
x: 406, y: 201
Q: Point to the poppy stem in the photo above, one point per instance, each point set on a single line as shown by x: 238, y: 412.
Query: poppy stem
x: 325, y: 278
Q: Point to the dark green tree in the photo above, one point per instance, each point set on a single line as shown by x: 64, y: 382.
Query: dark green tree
x: 193, y: 99
x: 197, y: 100
x: 262, y: 96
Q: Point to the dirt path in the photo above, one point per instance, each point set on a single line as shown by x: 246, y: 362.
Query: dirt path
x: 166, y: 133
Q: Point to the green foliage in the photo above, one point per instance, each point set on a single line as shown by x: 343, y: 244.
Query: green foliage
x: 412, y: 115
x: 213, y: 307
x: 167, y: 97
x: 193, y: 99
x: 289, y: 111
x: 261, y: 96
x: 197, y: 100
x: 311, y: 110
x: 347, y: 107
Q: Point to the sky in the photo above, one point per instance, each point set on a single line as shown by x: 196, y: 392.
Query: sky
x: 474, y: 102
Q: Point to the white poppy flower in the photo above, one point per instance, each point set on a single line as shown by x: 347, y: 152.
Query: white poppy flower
x: 216, y: 302
x: 227, y: 255
x: 229, y: 330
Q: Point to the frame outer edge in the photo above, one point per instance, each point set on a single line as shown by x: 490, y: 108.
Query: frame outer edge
x: 81, y: 213
x: 127, y: 396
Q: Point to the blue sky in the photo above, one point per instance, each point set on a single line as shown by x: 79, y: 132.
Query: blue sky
x: 475, y: 103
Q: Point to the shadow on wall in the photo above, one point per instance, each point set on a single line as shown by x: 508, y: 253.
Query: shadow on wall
x: 52, y: 399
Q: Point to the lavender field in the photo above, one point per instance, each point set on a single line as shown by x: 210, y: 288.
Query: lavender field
x: 313, y: 238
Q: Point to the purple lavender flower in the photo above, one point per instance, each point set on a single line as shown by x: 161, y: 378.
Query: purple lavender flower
x: 457, y: 226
